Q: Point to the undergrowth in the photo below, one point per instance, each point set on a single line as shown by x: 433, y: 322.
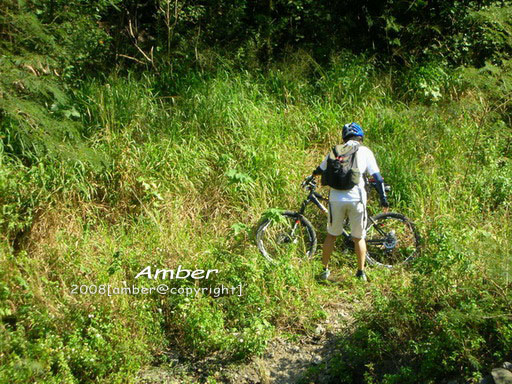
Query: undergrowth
x: 181, y: 169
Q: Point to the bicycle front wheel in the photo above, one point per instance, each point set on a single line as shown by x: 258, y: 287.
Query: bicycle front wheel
x: 391, y: 239
x: 279, y: 236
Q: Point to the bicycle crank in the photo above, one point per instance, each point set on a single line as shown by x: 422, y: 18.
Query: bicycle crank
x: 391, y: 241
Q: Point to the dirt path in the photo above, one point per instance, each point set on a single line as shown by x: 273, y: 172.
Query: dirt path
x: 285, y: 361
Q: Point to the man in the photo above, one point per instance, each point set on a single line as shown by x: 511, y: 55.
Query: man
x: 350, y: 199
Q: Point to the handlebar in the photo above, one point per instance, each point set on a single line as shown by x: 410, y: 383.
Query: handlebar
x: 309, y: 183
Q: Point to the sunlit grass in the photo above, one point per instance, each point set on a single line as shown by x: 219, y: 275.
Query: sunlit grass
x: 183, y: 162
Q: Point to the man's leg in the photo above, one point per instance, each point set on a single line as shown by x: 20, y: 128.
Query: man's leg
x: 327, y: 249
x: 360, y: 246
x: 334, y: 225
x: 357, y: 219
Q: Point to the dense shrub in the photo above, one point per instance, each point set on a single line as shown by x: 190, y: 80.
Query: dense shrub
x: 448, y: 319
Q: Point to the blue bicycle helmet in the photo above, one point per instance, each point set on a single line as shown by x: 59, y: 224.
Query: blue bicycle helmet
x: 352, y: 129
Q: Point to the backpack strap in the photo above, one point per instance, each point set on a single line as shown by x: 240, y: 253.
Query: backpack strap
x: 337, y: 154
x: 357, y: 186
x: 354, y: 157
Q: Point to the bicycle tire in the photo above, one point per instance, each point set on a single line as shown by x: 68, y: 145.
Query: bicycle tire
x: 391, y: 239
x: 272, y: 238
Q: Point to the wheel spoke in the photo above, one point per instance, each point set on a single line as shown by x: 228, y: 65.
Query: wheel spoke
x: 391, y: 239
x: 277, y: 238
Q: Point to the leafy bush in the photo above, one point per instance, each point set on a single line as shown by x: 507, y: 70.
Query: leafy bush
x: 234, y: 326
x: 448, y: 320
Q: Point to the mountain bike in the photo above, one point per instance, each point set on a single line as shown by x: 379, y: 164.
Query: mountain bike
x: 391, y: 238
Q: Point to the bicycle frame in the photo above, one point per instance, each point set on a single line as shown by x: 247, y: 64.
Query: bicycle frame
x: 381, y: 236
x: 316, y: 198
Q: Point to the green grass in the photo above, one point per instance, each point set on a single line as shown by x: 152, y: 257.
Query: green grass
x: 184, y: 158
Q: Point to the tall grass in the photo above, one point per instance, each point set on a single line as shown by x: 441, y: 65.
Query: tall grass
x: 188, y: 165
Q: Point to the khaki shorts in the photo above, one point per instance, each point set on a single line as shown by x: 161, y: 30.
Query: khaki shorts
x: 339, y: 211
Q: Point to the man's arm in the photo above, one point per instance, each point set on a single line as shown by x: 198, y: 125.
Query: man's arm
x: 373, y: 169
x: 317, y: 171
x: 321, y: 168
x: 379, y: 184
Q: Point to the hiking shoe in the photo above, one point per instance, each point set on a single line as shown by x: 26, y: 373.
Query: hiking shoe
x: 361, y: 275
x: 325, y: 274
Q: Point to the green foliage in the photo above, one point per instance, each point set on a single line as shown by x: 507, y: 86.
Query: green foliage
x: 491, y: 35
x: 233, y: 326
x: 101, y: 176
x: 460, y: 32
x: 44, y: 48
x: 448, y: 320
x: 194, y: 164
x: 427, y: 82
x: 84, y: 342
x: 274, y: 214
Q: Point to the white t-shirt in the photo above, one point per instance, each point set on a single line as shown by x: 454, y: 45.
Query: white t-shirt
x: 366, y: 163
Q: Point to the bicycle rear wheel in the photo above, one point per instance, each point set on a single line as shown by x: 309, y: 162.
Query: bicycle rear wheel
x: 292, y: 231
x: 391, y: 239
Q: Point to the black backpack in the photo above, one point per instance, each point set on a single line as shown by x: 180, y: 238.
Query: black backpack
x: 340, y: 172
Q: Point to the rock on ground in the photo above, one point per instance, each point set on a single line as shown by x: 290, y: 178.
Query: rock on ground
x: 501, y: 376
